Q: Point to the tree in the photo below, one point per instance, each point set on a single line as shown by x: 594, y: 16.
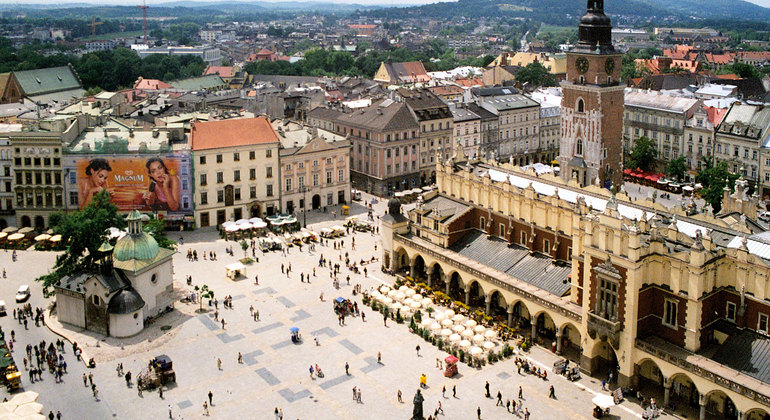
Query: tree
x: 203, y: 292
x: 245, y: 247
x: 643, y: 154
x: 536, y: 74
x: 741, y: 69
x: 156, y: 228
x: 676, y: 168
x: 714, y: 179
x: 83, y: 231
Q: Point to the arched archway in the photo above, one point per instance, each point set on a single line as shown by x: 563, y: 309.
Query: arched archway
x: 604, y: 362
x: 39, y: 223
x: 649, y: 380
x: 437, y: 278
x: 571, y: 342
x: 400, y: 261
x: 498, y: 307
x: 456, y: 287
x: 3, y: 224
x: 26, y: 221
x: 545, y: 328
x: 521, y: 318
x: 756, y: 414
x: 475, y: 296
x: 418, y: 269
x: 316, y: 202
x: 720, y: 406
x: 684, y: 395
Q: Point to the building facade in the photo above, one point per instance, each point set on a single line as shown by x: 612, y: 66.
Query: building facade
x: 592, y: 104
x: 739, y: 137
x: 435, y: 121
x: 38, y: 176
x: 699, y: 134
x: 236, y: 170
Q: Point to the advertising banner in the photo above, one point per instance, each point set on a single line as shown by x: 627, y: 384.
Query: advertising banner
x: 135, y: 183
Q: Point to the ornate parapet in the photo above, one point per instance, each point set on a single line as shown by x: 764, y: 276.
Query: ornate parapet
x: 604, y: 329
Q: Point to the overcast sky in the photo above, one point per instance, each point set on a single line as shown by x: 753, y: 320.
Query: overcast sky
x: 765, y: 3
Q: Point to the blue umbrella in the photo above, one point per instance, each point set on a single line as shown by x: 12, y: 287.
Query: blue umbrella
x: 340, y: 299
x: 294, y: 329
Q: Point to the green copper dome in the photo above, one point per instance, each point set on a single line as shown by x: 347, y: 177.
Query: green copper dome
x: 137, y: 245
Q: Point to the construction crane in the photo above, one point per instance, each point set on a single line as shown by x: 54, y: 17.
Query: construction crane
x: 93, y: 25
x: 144, y: 8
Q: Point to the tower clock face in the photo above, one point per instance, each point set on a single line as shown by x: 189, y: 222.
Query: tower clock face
x: 581, y: 64
x: 609, y: 65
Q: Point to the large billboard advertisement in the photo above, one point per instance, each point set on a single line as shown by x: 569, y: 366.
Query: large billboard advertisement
x: 135, y: 183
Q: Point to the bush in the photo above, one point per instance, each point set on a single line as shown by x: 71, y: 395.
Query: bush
x: 399, y: 317
x: 417, y: 317
x: 430, y: 310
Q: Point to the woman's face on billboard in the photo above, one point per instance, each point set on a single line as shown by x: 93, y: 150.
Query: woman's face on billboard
x: 157, y: 170
x: 99, y: 178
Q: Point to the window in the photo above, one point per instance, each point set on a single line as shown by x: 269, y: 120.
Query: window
x: 73, y: 198
x: 288, y: 184
x: 670, y: 313
x: 154, y: 278
x: 524, y: 238
x: 269, y: 172
x: 252, y: 192
x: 220, y: 196
x: 288, y: 167
x: 220, y: 177
x: 236, y: 175
x: 237, y: 193
x: 236, y: 157
x: 730, y: 311
x: 579, y: 148
x: 762, y: 323
x: 269, y: 190
x: 502, y: 230
x: 387, y: 153
x: 269, y: 153
x: 329, y: 177
x: 219, y: 158
x: 328, y: 161
x: 252, y: 155
x: 482, y: 223
x: 253, y: 174
x: 96, y: 300
x: 546, y: 246
x: 608, y: 299
x: 341, y: 175
x: 315, y: 180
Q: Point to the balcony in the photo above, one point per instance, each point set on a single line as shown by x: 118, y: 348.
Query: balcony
x: 604, y: 328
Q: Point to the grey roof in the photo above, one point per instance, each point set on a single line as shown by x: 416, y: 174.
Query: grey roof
x: 506, y: 102
x: 462, y: 113
x: 125, y: 302
x: 442, y: 208
x: 660, y: 101
x: 113, y: 281
x: 536, y: 269
x: 42, y: 81
x: 481, y: 112
x: 387, y: 115
x: 748, y: 353
x: 493, y: 91
x: 577, y: 162
x: 746, y: 120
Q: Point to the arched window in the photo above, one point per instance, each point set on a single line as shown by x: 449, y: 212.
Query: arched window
x: 579, y: 148
x: 581, y: 106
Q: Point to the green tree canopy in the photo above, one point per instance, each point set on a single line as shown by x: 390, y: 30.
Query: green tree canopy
x: 676, y: 168
x: 643, y: 154
x: 714, y: 179
x: 83, y: 231
x: 536, y: 74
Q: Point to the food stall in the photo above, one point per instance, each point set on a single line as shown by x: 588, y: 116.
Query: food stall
x: 602, y: 403
x: 451, y: 366
x: 234, y: 270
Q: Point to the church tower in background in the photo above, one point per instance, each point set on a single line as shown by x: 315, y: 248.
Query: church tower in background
x: 592, y: 104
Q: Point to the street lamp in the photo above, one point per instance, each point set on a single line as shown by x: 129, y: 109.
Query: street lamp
x: 303, y: 189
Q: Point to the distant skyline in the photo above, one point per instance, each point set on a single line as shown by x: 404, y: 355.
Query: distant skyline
x: 763, y: 3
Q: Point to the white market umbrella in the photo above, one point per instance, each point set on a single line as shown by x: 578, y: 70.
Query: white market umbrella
x: 397, y: 305
x: 439, y: 316
x: 467, y: 333
x: 245, y: 226
x: 256, y: 220
x: 476, y: 351
x: 24, y: 397
x: 228, y: 224
x: 402, y: 289
x: 465, y: 343
x: 449, y: 313
x: 400, y: 296
x: 387, y: 301
x: 435, y: 326
x: 488, y: 345
x: 57, y: 238
x: 16, y: 236
x: 232, y: 228
x: 458, y: 329
x: 377, y: 295
x: 447, y: 323
x: 426, y: 301
x: 454, y: 338
x: 478, y: 338
x: 28, y: 409
x: 604, y: 401
x: 259, y: 225
x: 478, y: 329
x: 426, y: 322
x: 409, y: 292
x: 415, y: 305
x: 470, y: 323
x: 490, y: 334
x: 446, y: 332
x: 458, y: 318
x: 392, y: 293
x: 42, y: 237
x: 241, y: 221
x: 408, y: 301
x: 384, y: 289
x: 417, y: 296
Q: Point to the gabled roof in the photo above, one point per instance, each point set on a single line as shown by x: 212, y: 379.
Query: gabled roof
x: 151, y: 84
x: 408, y: 72
x: 199, y: 83
x: 386, y: 115
x: 234, y: 132
x: 222, y: 71
x: 43, y: 81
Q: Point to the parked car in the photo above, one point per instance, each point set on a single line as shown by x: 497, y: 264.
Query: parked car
x: 22, y: 294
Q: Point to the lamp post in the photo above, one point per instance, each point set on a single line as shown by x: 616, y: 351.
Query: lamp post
x: 303, y: 190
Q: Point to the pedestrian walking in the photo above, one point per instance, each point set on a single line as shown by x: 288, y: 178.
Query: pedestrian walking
x: 508, y: 406
x: 240, y: 358
x: 551, y: 393
x: 160, y: 392
x: 499, y: 399
x: 379, y: 357
x: 486, y: 390
x: 211, y: 398
x: 418, y: 350
x: 454, y: 391
x: 219, y: 363
x: 347, y: 367
x: 443, y: 391
x: 223, y: 323
x: 521, y: 393
x: 205, y: 408
x: 398, y: 394
x: 478, y: 413
x: 170, y: 413
x: 139, y: 390
x: 85, y: 380
x: 440, y: 409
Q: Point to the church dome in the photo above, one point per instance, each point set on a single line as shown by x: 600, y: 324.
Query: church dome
x: 394, y: 206
x: 595, y: 19
x: 137, y: 245
x: 125, y: 302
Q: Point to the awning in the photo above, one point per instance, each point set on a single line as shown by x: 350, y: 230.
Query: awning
x: 42, y: 237
x: 26, y: 230
x: 603, y: 401
x: 15, y: 237
x: 55, y: 238
x: 235, y: 267
x: 10, y: 229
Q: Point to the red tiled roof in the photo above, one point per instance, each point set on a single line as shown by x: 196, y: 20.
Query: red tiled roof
x: 728, y: 76
x: 151, y: 84
x: 446, y: 90
x: 229, y: 133
x: 264, y: 51
x: 715, y: 114
x: 223, y: 71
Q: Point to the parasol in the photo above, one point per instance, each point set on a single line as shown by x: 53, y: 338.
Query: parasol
x: 464, y: 343
x: 455, y: 338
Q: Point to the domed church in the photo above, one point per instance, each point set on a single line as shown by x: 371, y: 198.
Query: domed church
x: 134, y: 282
